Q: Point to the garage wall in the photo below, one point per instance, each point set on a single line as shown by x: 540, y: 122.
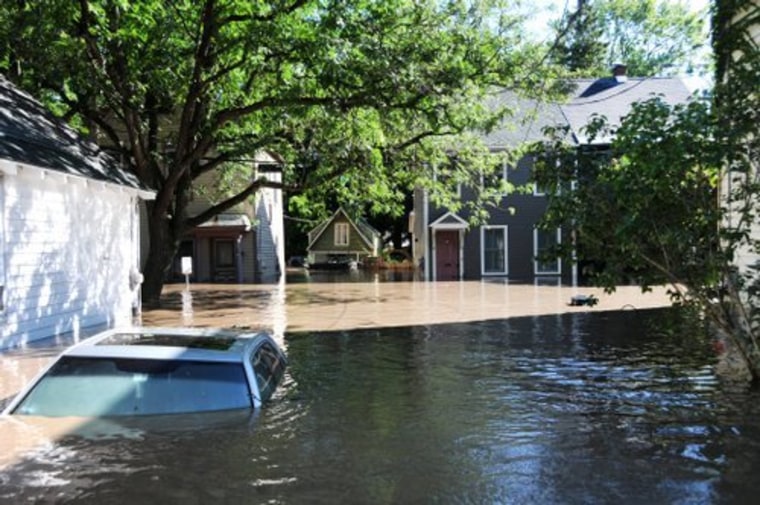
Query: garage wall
x: 67, y: 249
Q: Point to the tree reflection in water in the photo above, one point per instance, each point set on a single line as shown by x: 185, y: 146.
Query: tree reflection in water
x: 592, y: 407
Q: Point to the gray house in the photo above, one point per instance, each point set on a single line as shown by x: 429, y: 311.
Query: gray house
x: 448, y: 248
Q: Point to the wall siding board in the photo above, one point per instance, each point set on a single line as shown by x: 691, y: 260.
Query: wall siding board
x: 528, y: 209
x: 68, y: 252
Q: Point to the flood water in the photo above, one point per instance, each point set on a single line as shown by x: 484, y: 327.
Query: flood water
x: 585, y: 407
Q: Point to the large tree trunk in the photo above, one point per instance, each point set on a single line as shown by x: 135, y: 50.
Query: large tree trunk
x: 164, y: 244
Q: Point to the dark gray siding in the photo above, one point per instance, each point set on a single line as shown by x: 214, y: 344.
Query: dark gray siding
x: 520, y: 211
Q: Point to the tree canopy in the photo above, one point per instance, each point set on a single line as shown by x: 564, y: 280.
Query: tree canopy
x: 676, y: 197
x: 353, y: 95
x: 651, y: 37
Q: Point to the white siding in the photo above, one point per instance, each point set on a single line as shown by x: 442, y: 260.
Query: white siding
x: 68, y: 253
x: 2, y: 248
x: 270, y: 231
x: 748, y: 256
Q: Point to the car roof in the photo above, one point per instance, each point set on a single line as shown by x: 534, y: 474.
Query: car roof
x: 193, y: 344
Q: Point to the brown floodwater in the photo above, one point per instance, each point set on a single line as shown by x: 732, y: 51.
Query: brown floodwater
x: 405, y: 392
x: 339, y: 304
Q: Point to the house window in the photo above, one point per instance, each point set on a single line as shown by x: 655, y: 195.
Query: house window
x: 493, y: 241
x: 447, y: 181
x: 341, y: 234
x: 543, y: 241
x: 496, y: 179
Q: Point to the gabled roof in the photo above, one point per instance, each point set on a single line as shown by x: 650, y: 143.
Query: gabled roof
x: 606, y: 96
x: 613, y: 99
x: 528, y: 118
x: 31, y: 135
x: 449, y: 221
x: 228, y: 220
x: 366, y: 232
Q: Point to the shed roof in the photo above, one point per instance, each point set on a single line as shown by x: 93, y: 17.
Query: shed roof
x: 31, y: 135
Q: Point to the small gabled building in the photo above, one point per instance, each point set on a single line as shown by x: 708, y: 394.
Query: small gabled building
x: 69, y: 228
x: 339, y: 240
x: 447, y: 247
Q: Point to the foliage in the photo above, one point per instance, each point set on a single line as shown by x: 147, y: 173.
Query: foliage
x: 676, y: 197
x: 579, y: 44
x: 736, y: 39
x: 652, y: 37
x: 356, y: 96
x: 645, y: 207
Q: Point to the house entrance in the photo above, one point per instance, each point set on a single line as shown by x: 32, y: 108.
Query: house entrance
x: 447, y: 255
x: 224, y: 263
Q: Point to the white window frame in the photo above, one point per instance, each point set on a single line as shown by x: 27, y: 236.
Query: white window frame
x: 538, y: 191
x: 458, y: 189
x: 536, y: 271
x: 341, y: 234
x: 504, y: 230
x: 504, y: 176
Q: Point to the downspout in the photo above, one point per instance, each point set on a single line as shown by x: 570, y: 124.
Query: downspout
x: 426, y: 234
x: 135, y: 275
x: 239, y: 258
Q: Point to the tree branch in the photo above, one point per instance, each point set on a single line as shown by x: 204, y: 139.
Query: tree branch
x: 220, y: 207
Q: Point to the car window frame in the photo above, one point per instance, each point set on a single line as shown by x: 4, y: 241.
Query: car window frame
x: 276, y: 372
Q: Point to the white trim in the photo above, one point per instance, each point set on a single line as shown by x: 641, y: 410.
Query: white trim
x: 341, y: 234
x: 458, y: 224
x: 535, y: 254
x: 325, y: 225
x: 12, y: 168
x: 505, y: 231
x: 8, y: 167
x: 460, y: 252
x: 504, y: 177
x: 426, y: 238
x: 458, y: 184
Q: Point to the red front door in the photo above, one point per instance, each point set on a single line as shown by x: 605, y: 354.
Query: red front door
x: 447, y: 255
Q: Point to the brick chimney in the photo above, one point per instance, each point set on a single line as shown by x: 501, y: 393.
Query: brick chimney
x: 619, y: 72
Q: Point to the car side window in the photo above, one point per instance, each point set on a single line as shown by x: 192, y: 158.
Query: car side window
x: 269, y: 368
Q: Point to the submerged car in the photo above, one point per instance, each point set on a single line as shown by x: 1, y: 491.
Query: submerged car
x: 151, y: 371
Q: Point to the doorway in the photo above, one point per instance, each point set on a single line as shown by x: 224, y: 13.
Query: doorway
x: 447, y: 255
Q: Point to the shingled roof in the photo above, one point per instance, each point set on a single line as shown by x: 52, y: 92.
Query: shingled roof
x: 31, y: 135
x: 613, y: 99
x: 608, y: 97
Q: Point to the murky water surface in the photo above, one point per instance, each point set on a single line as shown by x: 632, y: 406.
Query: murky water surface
x: 583, y: 407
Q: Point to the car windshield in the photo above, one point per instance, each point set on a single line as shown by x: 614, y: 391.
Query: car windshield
x: 118, y: 387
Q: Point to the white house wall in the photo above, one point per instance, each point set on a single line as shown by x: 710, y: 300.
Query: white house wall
x: 68, y: 252
x: 270, y: 231
x: 747, y: 257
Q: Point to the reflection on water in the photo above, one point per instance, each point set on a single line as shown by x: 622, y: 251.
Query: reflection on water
x: 301, y: 275
x: 577, y: 408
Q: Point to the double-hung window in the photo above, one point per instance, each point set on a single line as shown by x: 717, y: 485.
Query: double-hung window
x: 495, y: 179
x: 341, y: 234
x: 543, y: 242
x: 493, y: 240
